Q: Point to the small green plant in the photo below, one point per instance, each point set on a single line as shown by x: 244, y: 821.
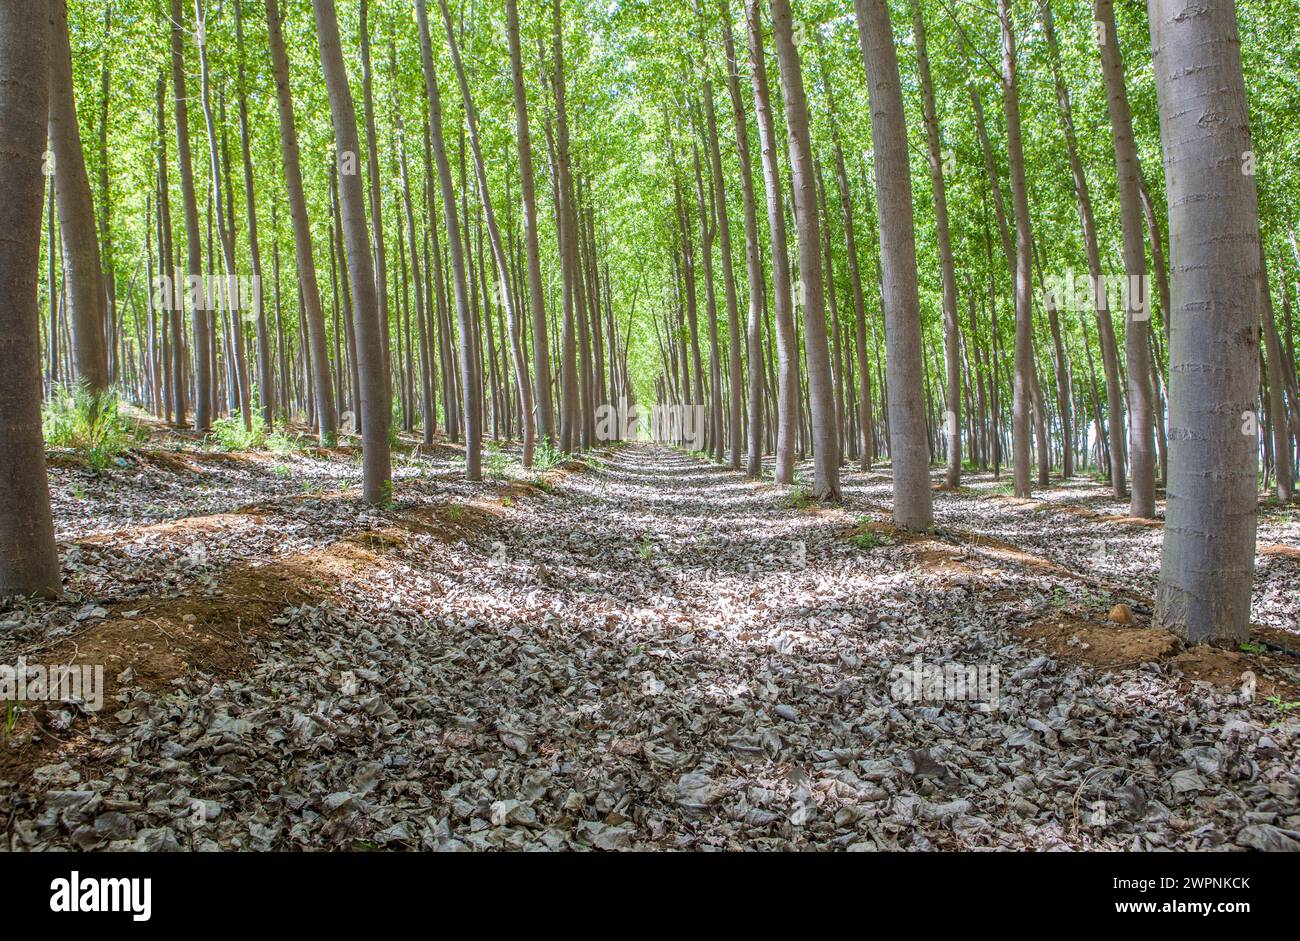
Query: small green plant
x: 1253, y: 648
x: 646, y: 548
x: 79, y: 491
x: 230, y: 434
x: 1282, y: 705
x: 800, y: 495
x: 867, y: 539
x: 281, y: 470
x: 498, y: 462
x: 286, y: 442
x: 455, y: 512
x: 91, y: 425
x: 546, y: 456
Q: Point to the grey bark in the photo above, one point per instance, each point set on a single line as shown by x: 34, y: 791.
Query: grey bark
x: 309, y: 289
x: 29, y: 562
x: 471, y: 413
x: 947, y: 267
x: 376, y: 409
x: 821, y: 391
x: 83, y: 276
x: 528, y: 188
x: 787, y: 396
x: 1024, y: 347
x: 1209, y: 543
x: 908, y: 447
x: 1137, y: 356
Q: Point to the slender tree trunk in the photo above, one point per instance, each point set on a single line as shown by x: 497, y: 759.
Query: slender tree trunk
x: 909, y: 454
x: 376, y: 195
x: 265, y: 372
x: 506, y: 295
x: 1024, y: 346
x: 470, y: 409
x: 787, y: 396
x: 1137, y: 356
x: 1101, y: 309
x: 1209, y: 543
x: 753, y: 259
x: 112, y: 331
x: 947, y: 267
x: 375, y: 406
x: 201, y: 331
x: 734, y: 435
x: 29, y: 562
x: 1277, y: 387
x: 826, y: 445
x: 83, y: 276
x: 309, y: 290
x: 536, y: 291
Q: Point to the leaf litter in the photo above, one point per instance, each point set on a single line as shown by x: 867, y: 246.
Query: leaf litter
x: 638, y: 652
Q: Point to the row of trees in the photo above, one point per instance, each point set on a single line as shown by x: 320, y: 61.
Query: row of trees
x: 470, y: 299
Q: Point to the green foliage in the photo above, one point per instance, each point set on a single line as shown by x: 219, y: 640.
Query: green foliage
x: 229, y: 434
x: 497, y: 464
x: 866, y: 539
x: 91, y: 425
x: 546, y: 456
x: 800, y: 495
x: 287, y: 442
x: 869, y: 540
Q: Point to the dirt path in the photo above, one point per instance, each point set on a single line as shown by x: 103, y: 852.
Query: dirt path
x: 641, y: 651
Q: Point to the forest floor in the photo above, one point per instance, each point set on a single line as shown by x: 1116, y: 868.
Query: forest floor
x: 634, y: 650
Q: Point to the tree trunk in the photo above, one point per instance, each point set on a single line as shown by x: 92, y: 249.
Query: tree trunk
x: 787, y: 397
x: 376, y: 195
x: 753, y: 259
x: 1277, y: 387
x: 909, y: 453
x: 1024, y: 346
x: 728, y: 276
x: 470, y: 409
x: 1209, y: 543
x: 308, y: 289
x: 536, y: 292
x: 947, y: 267
x: 29, y: 562
x: 826, y: 445
x: 201, y: 331
x: 375, y: 406
x: 1101, y: 309
x: 83, y: 276
x: 522, y: 380
x: 265, y: 372
x: 1137, y: 325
